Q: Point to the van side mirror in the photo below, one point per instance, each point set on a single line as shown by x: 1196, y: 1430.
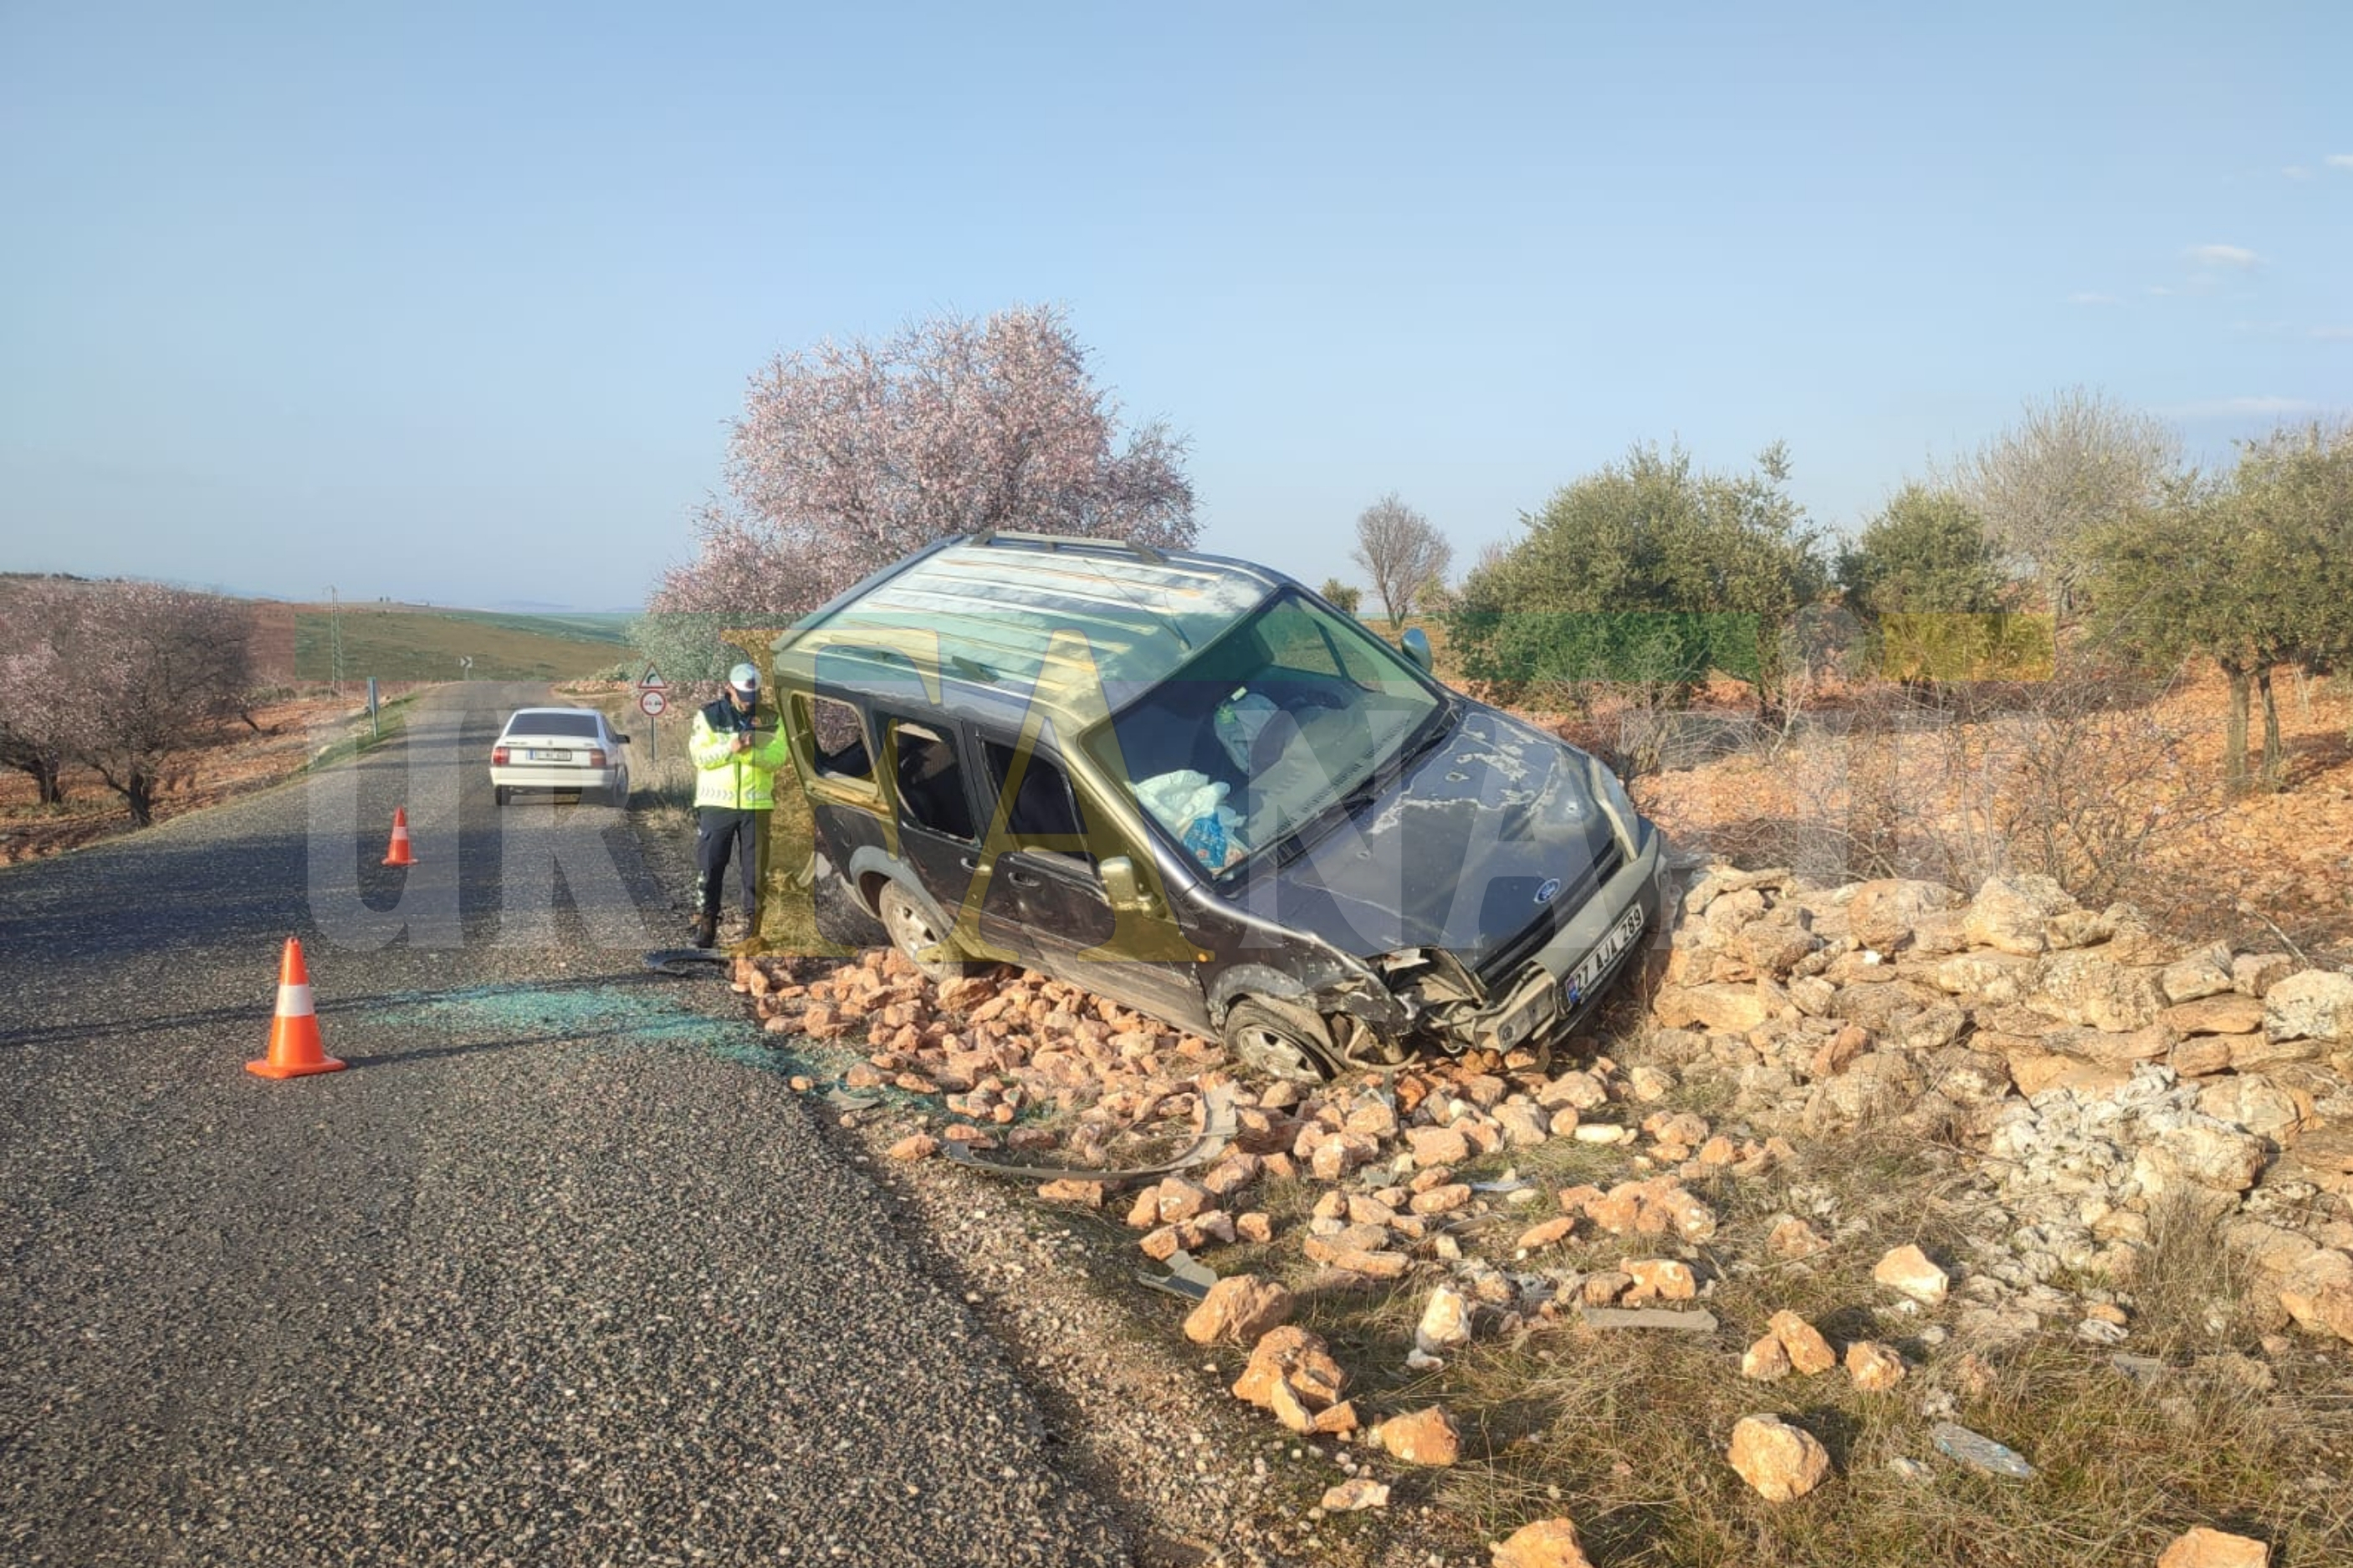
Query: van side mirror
x: 623, y: 738
x: 1415, y: 643
x: 1119, y: 884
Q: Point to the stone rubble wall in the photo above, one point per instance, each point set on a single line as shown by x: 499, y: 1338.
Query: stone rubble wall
x: 2100, y: 1073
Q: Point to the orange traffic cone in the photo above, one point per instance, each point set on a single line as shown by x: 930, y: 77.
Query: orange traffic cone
x: 398, y: 854
x: 295, y: 1048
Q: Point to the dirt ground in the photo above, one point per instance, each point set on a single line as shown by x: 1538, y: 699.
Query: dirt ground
x: 2253, y: 870
x: 236, y: 761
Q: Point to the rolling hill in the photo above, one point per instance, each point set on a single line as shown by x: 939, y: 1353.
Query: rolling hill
x: 405, y: 642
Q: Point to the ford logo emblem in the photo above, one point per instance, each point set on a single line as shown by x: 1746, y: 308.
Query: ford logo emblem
x: 1549, y: 890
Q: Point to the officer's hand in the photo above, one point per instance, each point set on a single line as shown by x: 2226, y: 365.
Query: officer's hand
x: 742, y: 743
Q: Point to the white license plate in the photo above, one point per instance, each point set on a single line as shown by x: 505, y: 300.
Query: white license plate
x: 551, y: 756
x: 1622, y: 936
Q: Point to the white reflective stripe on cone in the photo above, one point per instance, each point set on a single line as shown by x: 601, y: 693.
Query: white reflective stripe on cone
x: 294, y: 1002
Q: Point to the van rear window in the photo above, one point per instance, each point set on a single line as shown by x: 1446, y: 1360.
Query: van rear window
x: 930, y: 781
x: 839, y: 738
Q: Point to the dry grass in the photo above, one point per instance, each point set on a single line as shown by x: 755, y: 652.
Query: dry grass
x: 2191, y: 1292
x: 2081, y: 779
x: 1631, y: 1433
x: 1625, y: 1430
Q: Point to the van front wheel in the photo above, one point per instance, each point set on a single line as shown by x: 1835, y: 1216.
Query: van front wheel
x: 1278, y: 1044
x: 912, y: 932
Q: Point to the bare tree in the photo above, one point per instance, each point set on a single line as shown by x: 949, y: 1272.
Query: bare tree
x: 1402, y: 553
x: 2075, y: 463
x: 121, y: 677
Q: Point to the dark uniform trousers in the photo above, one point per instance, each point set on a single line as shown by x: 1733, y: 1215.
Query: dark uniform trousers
x: 720, y: 833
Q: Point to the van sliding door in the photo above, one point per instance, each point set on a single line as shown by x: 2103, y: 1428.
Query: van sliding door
x: 1045, y: 900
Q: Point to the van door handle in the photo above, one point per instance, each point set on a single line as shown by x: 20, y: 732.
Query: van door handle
x: 968, y: 863
x: 1024, y: 879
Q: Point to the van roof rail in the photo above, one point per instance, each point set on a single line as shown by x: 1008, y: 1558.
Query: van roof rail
x: 1064, y: 541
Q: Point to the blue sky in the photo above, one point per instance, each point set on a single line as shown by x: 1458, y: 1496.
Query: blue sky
x: 455, y: 302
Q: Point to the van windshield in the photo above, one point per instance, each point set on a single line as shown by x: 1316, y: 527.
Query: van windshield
x: 1275, y: 724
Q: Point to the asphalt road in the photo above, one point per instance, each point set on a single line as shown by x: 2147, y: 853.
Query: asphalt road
x: 555, y: 1274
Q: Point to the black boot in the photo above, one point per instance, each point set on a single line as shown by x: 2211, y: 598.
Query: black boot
x: 706, y: 928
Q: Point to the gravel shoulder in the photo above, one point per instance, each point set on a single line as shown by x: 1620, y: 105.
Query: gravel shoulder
x: 1141, y: 1418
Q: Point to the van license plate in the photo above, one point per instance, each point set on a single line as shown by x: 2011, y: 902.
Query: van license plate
x: 551, y: 756
x: 1622, y: 936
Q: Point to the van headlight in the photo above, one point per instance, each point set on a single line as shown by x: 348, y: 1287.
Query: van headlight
x: 1614, y: 800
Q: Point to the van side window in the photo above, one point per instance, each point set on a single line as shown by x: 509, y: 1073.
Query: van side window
x: 838, y: 737
x: 930, y: 780
x: 1043, y: 813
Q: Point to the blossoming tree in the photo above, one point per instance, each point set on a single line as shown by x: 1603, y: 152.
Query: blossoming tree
x: 851, y: 454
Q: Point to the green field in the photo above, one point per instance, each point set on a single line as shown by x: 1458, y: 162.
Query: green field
x: 584, y: 626
x: 395, y: 642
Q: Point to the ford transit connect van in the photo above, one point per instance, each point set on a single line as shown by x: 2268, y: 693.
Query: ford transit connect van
x: 1189, y: 785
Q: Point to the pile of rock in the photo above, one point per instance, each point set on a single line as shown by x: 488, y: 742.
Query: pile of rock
x: 992, y: 1047
x: 1387, y: 1153
x: 2079, y: 1169
x: 2102, y: 1073
x: 2098, y: 1076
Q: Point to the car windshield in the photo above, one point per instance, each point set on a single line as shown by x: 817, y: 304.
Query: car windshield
x: 1275, y: 725
x: 548, y: 723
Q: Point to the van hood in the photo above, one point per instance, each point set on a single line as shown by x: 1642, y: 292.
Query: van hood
x: 1489, y: 830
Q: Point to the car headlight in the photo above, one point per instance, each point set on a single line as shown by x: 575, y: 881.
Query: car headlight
x: 1614, y: 800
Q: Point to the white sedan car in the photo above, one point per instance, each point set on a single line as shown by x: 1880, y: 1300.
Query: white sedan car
x: 560, y: 748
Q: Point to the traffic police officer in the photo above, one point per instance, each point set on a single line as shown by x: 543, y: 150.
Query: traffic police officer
x: 735, y: 771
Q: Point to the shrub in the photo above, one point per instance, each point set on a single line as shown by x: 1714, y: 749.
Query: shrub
x: 1651, y: 570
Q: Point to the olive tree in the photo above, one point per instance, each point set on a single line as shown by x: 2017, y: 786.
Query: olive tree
x: 1648, y: 569
x: 2252, y: 569
x: 1342, y: 595
x: 1927, y: 582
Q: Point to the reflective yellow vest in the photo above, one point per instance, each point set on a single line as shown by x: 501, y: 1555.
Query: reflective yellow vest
x: 740, y: 780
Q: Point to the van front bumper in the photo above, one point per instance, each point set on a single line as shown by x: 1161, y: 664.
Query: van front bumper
x: 1592, y: 949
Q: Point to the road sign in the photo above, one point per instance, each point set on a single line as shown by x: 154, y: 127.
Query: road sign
x: 652, y: 682
x: 650, y: 703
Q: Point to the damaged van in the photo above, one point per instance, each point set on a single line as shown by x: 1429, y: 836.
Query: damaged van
x: 1188, y: 783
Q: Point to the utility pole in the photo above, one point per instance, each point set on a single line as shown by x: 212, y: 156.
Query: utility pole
x: 335, y: 639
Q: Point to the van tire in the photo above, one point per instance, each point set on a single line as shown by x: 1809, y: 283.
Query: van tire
x: 913, y: 928
x: 1280, y: 1044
